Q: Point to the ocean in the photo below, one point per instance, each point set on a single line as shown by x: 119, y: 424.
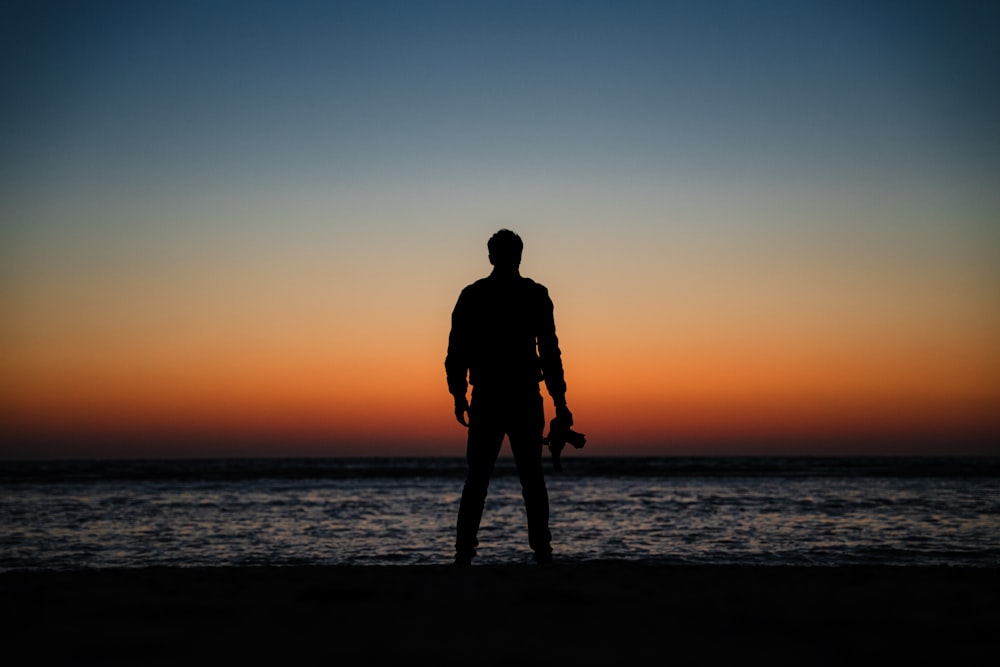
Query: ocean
x: 73, y: 515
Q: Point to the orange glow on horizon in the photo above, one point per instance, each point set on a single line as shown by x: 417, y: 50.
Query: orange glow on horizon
x: 670, y: 404
x: 301, y: 375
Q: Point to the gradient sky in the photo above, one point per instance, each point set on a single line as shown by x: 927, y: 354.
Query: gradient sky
x: 239, y: 228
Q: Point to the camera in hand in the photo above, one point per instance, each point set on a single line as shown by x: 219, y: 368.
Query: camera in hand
x: 560, y: 434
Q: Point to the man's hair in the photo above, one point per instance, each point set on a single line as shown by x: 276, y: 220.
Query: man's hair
x: 505, y: 248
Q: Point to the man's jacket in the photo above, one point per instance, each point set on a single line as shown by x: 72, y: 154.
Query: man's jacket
x: 503, y: 335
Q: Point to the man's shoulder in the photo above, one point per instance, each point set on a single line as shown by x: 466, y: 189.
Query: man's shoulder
x: 477, y: 286
x: 490, y: 281
x: 536, y: 287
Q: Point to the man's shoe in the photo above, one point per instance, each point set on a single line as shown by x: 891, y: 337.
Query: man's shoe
x: 463, y: 560
x: 544, y: 558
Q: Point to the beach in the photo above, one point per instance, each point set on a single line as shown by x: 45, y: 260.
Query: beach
x: 576, y: 613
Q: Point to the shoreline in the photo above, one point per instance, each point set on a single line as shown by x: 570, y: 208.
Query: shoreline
x: 575, y: 613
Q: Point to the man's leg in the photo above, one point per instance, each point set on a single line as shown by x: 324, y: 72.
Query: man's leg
x: 526, y: 445
x: 481, y: 453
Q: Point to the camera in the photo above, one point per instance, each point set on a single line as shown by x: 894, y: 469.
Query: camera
x: 559, y: 435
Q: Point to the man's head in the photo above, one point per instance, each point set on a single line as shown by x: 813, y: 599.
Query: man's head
x: 505, y: 249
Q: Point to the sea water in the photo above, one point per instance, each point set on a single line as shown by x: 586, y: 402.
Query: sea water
x: 351, y: 511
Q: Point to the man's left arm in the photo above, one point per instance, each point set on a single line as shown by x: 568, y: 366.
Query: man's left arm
x: 551, y: 359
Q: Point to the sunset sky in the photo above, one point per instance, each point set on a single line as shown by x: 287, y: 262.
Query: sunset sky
x: 239, y: 228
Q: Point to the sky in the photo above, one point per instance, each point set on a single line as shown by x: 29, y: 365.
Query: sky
x: 239, y: 228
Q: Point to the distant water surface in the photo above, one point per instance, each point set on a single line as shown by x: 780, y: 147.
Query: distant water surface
x: 762, y: 511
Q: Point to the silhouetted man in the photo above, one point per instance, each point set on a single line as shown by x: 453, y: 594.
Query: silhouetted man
x: 503, y: 342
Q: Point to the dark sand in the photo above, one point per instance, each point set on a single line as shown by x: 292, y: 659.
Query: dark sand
x: 597, y: 613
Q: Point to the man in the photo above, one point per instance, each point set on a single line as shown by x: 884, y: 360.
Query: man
x: 503, y: 342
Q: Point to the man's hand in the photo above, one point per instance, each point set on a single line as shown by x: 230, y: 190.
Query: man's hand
x: 461, y: 410
x: 564, y: 415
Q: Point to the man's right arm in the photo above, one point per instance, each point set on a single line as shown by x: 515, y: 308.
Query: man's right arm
x: 456, y: 362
